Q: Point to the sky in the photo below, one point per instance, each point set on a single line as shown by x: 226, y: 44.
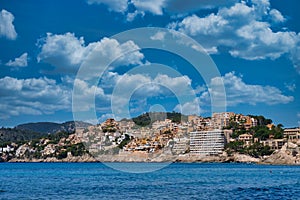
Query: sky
x: 93, y: 59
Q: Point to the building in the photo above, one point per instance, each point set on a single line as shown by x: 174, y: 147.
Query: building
x: 6, y: 149
x: 249, y: 122
x: 221, y: 120
x: 180, y: 145
x: 228, y: 134
x: 246, y: 138
x: 207, y: 143
x: 292, y: 134
x: 274, y: 144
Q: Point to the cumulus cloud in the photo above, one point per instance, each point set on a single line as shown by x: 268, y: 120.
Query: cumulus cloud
x: 159, y: 7
x: 67, y: 52
x: 33, y: 96
x: 152, y: 6
x: 142, y: 86
x: 179, y: 6
x: 194, y: 25
x: 239, y: 92
x: 37, y: 96
x: 158, y: 36
x: 85, y: 95
x: 114, y: 5
x: 189, y: 108
x: 245, y: 30
x: 276, y: 16
x: 7, y: 29
x: 19, y: 62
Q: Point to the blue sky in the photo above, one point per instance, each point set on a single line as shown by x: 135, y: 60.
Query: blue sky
x: 254, y: 44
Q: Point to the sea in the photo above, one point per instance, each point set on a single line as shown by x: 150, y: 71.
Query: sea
x: 172, y: 181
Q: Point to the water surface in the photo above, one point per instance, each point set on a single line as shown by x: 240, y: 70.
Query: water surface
x: 176, y: 181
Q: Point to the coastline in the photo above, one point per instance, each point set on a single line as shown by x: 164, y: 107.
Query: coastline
x: 236, y: 158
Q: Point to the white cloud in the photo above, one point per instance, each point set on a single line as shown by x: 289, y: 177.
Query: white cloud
x: 37, y: 96
x: 19, y: 62
x: 295, y: 55
x: 189, y: 108
x: 114, y: 5
x: 151, y: 86
x: 86, y: 95
x: 139, y: 87
x: 245, y: 31
x: 192, y: 5
x: 290, y: 86
x: 104, y: 117
x: 63, y: 51
x: 239, y: 92
x: 152, y: 6
x: 158, y: 36
x: 211, y: 24
x: 7, y: 29
x: 32, y: 96
x: 67, y: 52
x: 276, y: 16
x: 158, y: 7
x: 131, y: 16
x: 298, y: 114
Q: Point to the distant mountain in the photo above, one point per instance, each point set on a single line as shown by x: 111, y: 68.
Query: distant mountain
x: 8, y: 135
x: 30, y: 131
x: 51, y: 127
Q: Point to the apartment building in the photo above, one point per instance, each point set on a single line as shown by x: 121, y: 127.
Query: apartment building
x: 205, y: 143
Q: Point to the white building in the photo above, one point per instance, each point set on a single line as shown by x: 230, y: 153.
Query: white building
x: 6, y: 149
x: 207, y: 142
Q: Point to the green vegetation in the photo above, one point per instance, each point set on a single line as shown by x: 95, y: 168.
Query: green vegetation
x: 147, y: 118
x: 261, y: 120
x: 17, y: 135
x: 176, y: 117
x: 62, y: 155
x: 263, y: 132
x: 142, y: 120
x: 255, y: 150
x: 124, y: 142
x: 77, y: 149
x: 55, y: 138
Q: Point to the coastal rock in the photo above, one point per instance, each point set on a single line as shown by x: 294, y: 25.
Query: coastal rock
x: 245, y: 158
x: 83, y: 158
x: 288, y: 154
x: 49, y: 149
x: 21, y: 151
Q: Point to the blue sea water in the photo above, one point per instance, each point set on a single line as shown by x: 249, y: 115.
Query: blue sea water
x: 176, y: 181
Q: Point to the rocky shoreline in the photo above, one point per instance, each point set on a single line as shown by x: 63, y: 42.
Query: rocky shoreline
x: 284, y: 156
x: 289, y: 154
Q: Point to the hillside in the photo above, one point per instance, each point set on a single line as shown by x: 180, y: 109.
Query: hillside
x: 51, y: 127
x: 30, y: 131
x: 147, y: 119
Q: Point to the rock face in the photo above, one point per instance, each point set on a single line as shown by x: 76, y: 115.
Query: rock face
x: 289, y: 154
x: 245, y: 158
x: 21, y: 151
x: 70, y: 158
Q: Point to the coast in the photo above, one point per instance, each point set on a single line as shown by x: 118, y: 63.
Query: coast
x: 287, y: 155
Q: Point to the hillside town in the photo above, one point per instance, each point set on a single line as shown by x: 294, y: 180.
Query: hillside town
x: 185, y: 138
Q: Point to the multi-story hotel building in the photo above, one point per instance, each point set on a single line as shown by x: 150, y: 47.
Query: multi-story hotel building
x: 207, y: 142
